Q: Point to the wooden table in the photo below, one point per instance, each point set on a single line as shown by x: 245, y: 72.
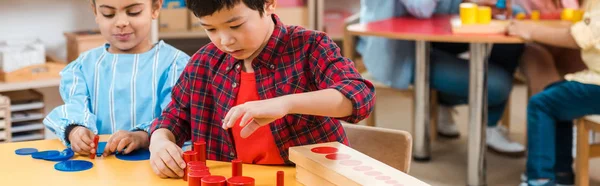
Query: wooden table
x: 438, y: 29
x: 23, y: 170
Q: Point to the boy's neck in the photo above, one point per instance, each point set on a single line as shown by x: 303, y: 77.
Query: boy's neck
x: 248, y: 61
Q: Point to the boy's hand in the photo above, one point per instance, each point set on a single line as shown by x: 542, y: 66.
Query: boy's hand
x: 125, y: 142
x: 82, y: 142
x: 255, y: 114
x: 166, y: 158
x: 521, y: 29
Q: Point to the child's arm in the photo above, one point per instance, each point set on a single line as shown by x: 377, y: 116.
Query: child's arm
x: 331, y: 70
x: 342, y: 94
x: 558, y: 35
x: 75, y: 113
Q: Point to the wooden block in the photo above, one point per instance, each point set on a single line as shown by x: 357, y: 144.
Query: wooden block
x: 307, y: 178
x: 342, y: 165
x: 495, y: 27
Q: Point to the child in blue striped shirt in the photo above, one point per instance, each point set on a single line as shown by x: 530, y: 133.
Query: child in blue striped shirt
x: 118, y: 88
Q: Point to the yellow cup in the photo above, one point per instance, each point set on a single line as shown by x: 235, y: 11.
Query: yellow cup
x: 521, y: 16
x: 577, y: 15
x: 567, y: 14
x: 484, y: 15
x: 535, y: 15
x: 468, y: 13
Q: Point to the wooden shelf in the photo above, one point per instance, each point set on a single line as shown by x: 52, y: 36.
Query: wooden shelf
x: 5, y: 87
x: 27, y: 137
x: 33, y: 126
x: 182, y: 35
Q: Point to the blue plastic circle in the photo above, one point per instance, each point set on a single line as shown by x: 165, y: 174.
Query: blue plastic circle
x: 136, y: 155
x: 45, y: 154
x: 25, y: 151
x: 100, y: 148
x: 73, y: 165
x: 63, y: 156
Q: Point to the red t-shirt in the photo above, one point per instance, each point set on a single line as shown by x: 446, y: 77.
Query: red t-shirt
x: 260, y: 147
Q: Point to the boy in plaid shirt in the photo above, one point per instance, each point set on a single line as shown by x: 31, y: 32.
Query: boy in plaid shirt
x: 257, y: 89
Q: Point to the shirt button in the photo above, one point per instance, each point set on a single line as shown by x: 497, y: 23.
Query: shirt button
x: 237, y: 66
x: 234, y: 85
x: 227, y: 68
x: 232, y: 154
x: 272, y: 66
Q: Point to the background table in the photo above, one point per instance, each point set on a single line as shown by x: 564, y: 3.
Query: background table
x: 23, y: 170
x: 439, y: 29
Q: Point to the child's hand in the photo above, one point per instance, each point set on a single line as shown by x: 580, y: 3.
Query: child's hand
x: 255, y: 114
x: 166, y: 158
x: 82, y: 142
x: 125, y: 142
x: 521, y: 29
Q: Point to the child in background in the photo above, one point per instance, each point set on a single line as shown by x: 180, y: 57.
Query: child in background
x: 551, y: 112
x: 257, y: 89
x: 392, y: 63
x: 118, y: 88
x: 545, y: 64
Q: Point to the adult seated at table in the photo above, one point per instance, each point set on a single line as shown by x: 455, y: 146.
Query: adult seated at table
x: 392, y: 63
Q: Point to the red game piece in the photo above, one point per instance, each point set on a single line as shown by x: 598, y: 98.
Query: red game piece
x: 195, y: 178
x: 236, y: 168
x: 280, y: 178
x: 188, y: 156
x: 200, y: 148
x: 96, y: 139
x: 197, y: 165
x: 214, y: 181
x: 240, y: 181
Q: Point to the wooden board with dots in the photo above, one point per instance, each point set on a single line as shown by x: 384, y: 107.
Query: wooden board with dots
x: 337, y: 164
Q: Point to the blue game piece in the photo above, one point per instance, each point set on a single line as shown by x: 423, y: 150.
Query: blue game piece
x: 73, y: 165
x: 100, y: 149
x: 64, y: 155
x: 25, y: 151
x: 136, y: 155
x: 45, y: 154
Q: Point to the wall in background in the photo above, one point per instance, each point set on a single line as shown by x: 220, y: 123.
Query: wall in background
x: 46, y: 20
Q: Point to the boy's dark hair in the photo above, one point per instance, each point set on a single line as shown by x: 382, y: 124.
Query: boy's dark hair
x: 203, y: 8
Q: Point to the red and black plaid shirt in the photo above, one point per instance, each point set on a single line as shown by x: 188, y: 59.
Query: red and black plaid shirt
x: 295, y: 60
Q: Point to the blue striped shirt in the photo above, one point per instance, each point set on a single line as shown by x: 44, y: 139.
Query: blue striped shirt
x: 108, y: 92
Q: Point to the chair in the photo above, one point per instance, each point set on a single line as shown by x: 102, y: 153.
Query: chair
x: 585, y: 150
x: 376, y: 142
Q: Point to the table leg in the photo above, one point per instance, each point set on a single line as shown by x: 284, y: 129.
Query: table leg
x: 421, y: 143
x: 476, y: 173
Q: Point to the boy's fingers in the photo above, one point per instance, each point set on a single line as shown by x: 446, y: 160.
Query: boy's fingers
x: 132, y: 146
x: 246, y: 119
x: 176, y: 154
x: 168, y: 165
x: 122, y: 144
x: 84, y: 146
x: 249, y: 129
x: 85, y: 137
x: 156, y: 171
x: 234, y: 117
